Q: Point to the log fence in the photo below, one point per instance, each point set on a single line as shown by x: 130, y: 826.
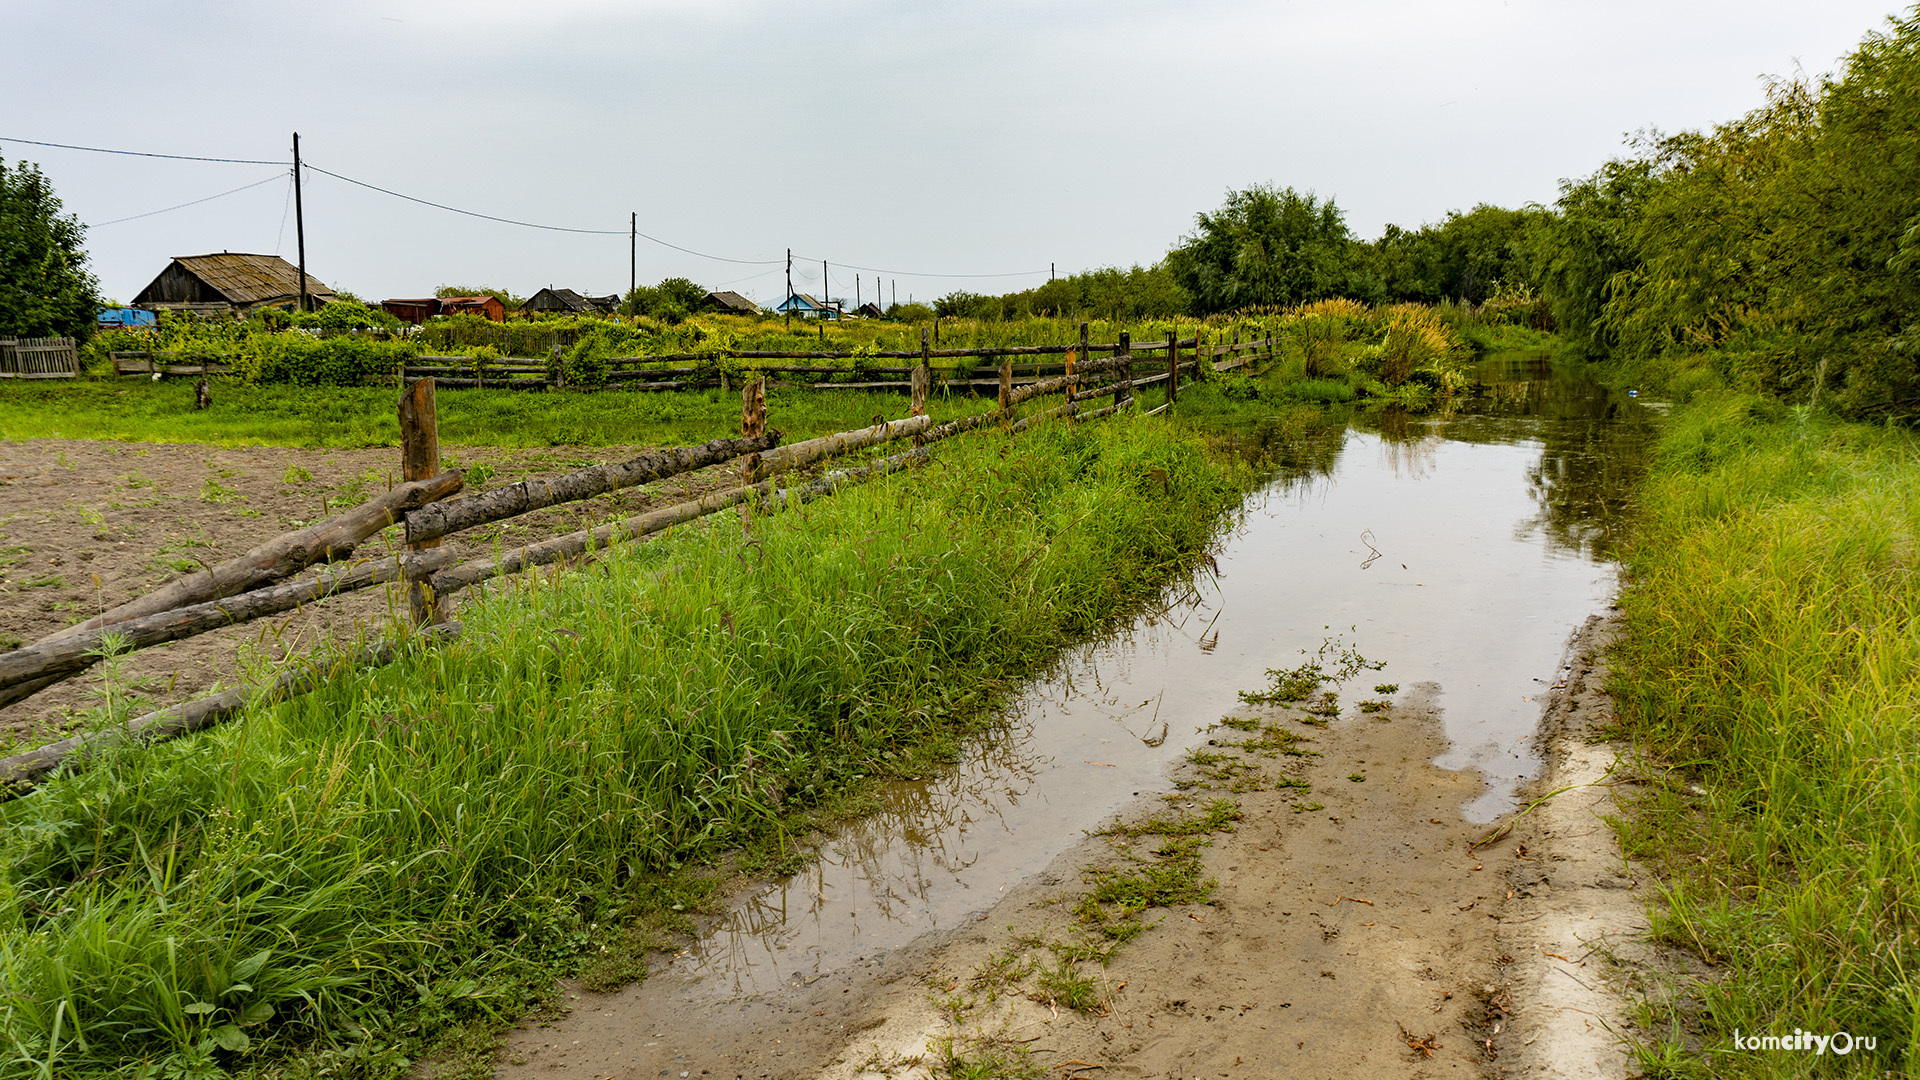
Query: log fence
x: 255, y: 585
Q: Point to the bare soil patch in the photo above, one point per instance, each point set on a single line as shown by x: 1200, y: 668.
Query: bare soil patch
x: 85, y: 525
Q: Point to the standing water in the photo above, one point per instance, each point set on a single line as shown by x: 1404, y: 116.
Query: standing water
x: 1461, y: 550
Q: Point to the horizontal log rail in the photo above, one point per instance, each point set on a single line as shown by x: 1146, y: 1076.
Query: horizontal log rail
x: 70, y: 655
x: 442, y: 519
x: 587, y: 541
x: 330, y: 540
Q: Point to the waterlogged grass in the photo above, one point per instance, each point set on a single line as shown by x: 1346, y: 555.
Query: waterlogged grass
x: 344, y: 876
x: 1772, y: 646
x: 346, y: 416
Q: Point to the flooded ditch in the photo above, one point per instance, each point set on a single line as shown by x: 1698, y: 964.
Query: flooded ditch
x: 1461, y: 550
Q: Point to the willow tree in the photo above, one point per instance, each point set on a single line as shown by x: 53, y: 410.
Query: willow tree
x: 1265, y: 245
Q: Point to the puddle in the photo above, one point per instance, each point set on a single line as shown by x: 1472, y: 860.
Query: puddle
x: 1461, y: 550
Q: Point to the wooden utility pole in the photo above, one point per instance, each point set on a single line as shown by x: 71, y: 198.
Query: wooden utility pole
x: 299, y: 222
x: 420, y: 460
x: 633, y: 253
x: 789, y: 302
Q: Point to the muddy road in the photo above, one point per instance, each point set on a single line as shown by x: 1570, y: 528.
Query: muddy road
x: 1347, y: 922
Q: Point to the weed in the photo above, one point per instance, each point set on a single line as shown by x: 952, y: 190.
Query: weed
x: 214, y: 491
x: 296, y: 474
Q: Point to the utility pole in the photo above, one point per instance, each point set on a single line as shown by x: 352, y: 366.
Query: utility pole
x: 856, y: 292
x: 895, y: 284
x: 299, y: 222
x: 788, y: 302
x: 826, y: 291
x: 1050, y: 271
x: 633, y: 253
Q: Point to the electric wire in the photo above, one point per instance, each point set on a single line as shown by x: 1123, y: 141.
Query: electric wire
x: 503, y: 220
x: 140, y: 153
x: 184, y: 205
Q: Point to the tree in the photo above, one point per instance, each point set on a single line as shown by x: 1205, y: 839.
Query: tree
x: 46, y: 289
x: 1266, y: 245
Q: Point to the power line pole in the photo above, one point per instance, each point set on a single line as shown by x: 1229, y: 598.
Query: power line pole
x: 633, y: 253
x: 299, y: 222
x: 788, y: 303
x: 826, y: 290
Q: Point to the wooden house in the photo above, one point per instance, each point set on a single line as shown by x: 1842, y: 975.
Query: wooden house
x: 568, y: 302
x: 806, y: 306
x: 232, y: 281
x: 729, y: 303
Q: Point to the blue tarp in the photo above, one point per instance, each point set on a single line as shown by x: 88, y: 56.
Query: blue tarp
x: 124, y: 317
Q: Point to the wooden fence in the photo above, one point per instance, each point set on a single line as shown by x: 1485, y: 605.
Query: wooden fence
x: 146, y: 362
x: 39, y: 358
x: 256, y: 584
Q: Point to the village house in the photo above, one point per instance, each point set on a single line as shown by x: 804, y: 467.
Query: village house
x: 230, y: 282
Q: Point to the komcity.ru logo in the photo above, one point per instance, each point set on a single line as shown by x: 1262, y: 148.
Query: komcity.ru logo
x: 1840, y: 1043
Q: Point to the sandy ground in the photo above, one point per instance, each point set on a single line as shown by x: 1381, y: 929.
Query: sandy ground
x: 1356, y: 931
x: 85, y: 525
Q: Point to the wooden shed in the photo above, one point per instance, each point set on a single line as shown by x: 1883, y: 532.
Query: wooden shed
x: 239, y: 280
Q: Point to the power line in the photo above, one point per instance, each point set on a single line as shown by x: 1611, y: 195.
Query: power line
x: 922, y: 273
x: 536, y: 225
x: 196, y: 202
x: 495, y: 218
x: 141, y: 153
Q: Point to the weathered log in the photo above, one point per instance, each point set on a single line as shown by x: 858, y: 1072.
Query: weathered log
x: 441, y: 519
x: 579, y: 544
x: 802, y: 453
x: 68, y: 656
x: 326, y: 541
x: 20, y: 773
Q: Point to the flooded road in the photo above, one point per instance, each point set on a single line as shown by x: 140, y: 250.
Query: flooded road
x: 1459, y: 549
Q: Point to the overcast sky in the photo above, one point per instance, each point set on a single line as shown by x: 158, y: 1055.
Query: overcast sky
x: 924, y: 140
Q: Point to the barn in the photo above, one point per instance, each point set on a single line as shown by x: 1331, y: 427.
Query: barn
x: 240, y: 281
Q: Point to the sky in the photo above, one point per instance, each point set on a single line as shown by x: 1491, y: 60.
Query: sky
x: 917, y: 147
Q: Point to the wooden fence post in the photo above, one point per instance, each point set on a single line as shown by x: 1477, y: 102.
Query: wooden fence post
x: 922, y: 379
x: 420, y: 460
x: 1125, y: 370
x: 1173, y: 363
x: 1006, y: 381
x: 1073, y: 388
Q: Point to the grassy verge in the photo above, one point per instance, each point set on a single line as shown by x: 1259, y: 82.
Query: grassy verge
x: 347, y: 416
x: 1773, y: 642
x: 329, y: 886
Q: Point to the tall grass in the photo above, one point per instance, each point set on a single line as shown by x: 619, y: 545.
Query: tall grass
x: 1772, y: 654
x: 345, y: 874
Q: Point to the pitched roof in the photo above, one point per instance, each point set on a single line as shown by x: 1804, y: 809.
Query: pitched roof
x: 250, y: 279
x: 732, y: 301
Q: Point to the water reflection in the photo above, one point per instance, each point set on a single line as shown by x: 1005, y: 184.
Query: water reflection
x: 1460, y: 547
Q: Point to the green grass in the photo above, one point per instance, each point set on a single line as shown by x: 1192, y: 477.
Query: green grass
x: 1771, y: 652
x: 339, y: 416
x: 351, y: 875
